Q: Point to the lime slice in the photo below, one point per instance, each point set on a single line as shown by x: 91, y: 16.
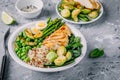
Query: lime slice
x: 6, y: 18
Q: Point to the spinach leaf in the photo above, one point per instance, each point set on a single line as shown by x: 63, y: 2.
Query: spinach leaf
x: 96, y: 53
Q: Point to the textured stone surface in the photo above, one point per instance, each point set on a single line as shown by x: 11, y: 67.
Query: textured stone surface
x: 105, y: 32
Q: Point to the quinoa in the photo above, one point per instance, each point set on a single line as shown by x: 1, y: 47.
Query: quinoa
x: 38, y: 56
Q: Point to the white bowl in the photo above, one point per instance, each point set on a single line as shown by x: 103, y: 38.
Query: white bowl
x: 15, y: 57
x: 23, y: 3
x: 80, y: 22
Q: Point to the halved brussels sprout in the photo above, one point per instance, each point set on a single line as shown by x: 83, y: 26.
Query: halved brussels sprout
x: 75, y: 14
x: 60, y: 61
x: 93, y: 14
x: 65, y: 13
x: 68, y: 55
x: 28, y: 33
x: 51, y: 56
x: 61, y: 51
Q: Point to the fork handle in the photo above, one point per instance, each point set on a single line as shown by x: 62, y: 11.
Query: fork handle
x: 3, y: 67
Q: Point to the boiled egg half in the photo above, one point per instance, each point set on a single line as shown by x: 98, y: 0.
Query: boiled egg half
x: 38, y: 27
x: 41, y: 25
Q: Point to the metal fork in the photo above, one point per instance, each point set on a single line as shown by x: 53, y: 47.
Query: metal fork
x: 4, y: 59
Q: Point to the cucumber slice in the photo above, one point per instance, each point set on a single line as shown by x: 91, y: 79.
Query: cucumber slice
x: 6, y: 18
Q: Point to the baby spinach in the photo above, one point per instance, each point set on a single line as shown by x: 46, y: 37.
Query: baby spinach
x: 74, y: 46
x: 96, y: 53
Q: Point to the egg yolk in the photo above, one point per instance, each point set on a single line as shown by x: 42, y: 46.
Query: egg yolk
x: 41, y: 24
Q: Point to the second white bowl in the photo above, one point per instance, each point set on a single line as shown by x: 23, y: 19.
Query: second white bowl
x: 80, y: 22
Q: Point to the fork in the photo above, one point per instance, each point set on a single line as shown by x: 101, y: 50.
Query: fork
x: 4, y: 59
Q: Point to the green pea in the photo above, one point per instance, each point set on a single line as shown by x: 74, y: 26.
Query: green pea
x: 21, y: 41
x: 20, y: 49
x: 35, y: 47
x: 24, y: 49
x: 28, y: 47
x: 23, y: 44
x: 23, y: 57
x: 17, y: 39
x: 36, y: 40
x: 18, y: 44
x: 18, y: 52
x: 40, y: 44
x: 27, y: 39
x: 22, y: 54
x: 27, y: 59
x: 19, y: 55
x: 16, y: 49
x: 21, y: 33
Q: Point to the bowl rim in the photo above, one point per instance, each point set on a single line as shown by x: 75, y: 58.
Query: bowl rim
x: 19, y: 61
x: 37, y: 10
x: 80, y: 22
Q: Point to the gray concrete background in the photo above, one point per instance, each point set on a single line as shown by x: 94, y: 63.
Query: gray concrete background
x: 104, y: 32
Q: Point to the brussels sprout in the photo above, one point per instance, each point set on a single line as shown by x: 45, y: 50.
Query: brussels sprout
x: 93, y: 14
x: 60, y: 61
x: 61, y: 51
x: 68, y: 55
x: 85, y: 11
x: 51, y: 56
x: 65, y: 13
x: 75, y: 14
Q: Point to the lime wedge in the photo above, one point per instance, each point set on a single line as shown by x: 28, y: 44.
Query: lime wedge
x: 6, y: 18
